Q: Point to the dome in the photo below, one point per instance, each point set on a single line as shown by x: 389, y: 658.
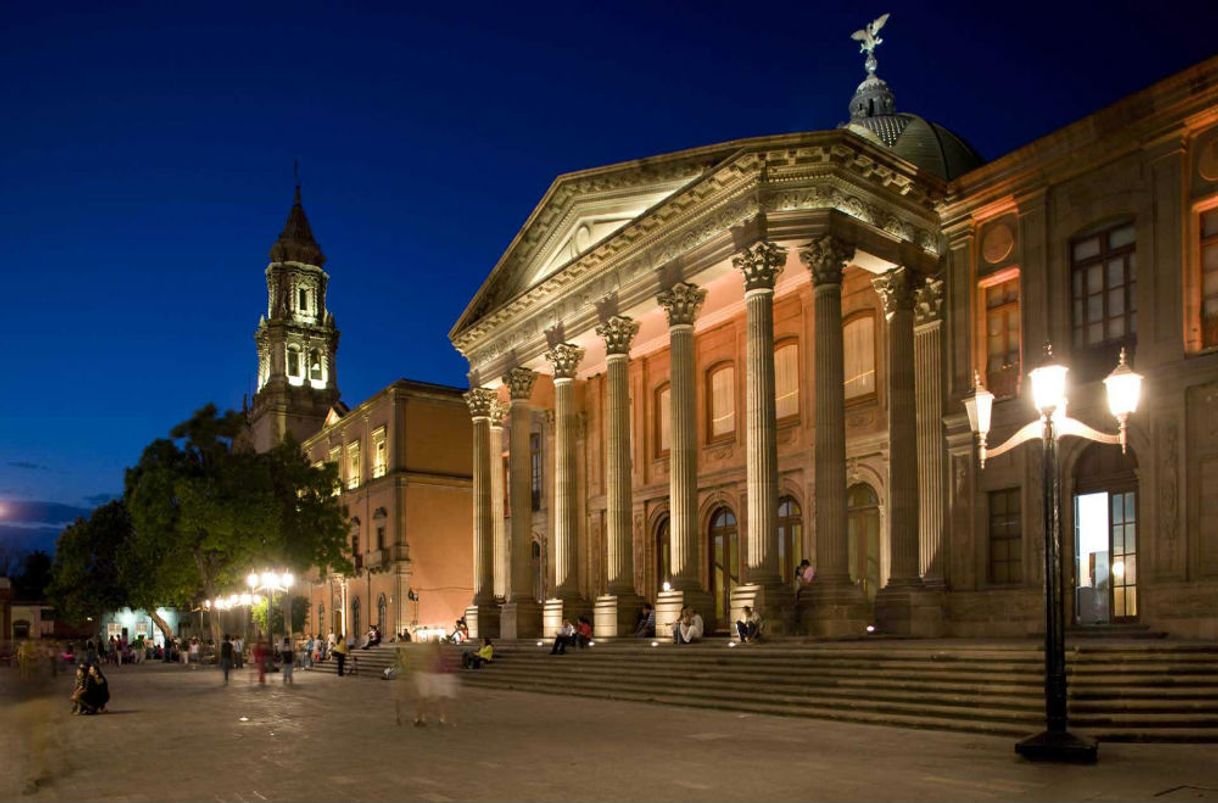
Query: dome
x: 928, y: 145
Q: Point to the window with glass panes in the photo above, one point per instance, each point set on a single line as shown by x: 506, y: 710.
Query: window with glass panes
x: 1002, y: 337
x: 858, y: 356
x: 1103, y: 275
x: 663, y: 418
x: 1209, y: 278
x: 786, y: 381
x: 722, y: 398
x: 1006, y: 524
x: 535, y: 463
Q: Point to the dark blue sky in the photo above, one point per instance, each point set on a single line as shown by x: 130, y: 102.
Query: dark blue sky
x: 146, y: 152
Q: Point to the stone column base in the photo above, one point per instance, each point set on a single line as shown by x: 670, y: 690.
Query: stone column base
x: 615, y: 615
x: 483, y: 620
x: 520, y: 619
x: 775, y: 603
x: 555, y: 610
x: 834, y: 610
x: 670, y: 603
x: 910, y: 610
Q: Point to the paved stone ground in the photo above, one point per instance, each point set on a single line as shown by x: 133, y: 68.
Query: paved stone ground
x: 178, y: 735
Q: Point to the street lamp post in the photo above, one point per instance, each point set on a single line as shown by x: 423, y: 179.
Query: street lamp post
x: 1124, y: 388
x: 271, y: 582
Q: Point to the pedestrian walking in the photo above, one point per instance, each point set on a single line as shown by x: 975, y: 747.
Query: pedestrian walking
x: 339, y: 651
x: 239, y: 653
x: 288, y: 656
x: 226, y: 657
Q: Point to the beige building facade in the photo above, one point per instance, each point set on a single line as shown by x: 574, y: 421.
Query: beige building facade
x: 690, y: 372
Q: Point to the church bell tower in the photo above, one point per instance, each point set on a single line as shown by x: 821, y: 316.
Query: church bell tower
x: 297, y: 340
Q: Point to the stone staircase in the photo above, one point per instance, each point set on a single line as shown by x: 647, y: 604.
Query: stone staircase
x: 1119, y: 690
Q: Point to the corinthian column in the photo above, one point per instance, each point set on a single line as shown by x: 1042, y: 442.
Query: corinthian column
x: 498, y: 525
x: 616, y: 611
x: 896, y: 290
x: 520, y: 616
x: 479, y: 614
x: 838, y: 607
x: 565, y: 359
x: 928, y: 384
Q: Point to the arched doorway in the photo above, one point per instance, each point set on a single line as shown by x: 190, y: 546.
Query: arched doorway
x: 724, y: 555
x: 663, y: 552
x: 1105, y: 536
x: 863, y: 535
x: 790, y: 536
x: 355, y: 620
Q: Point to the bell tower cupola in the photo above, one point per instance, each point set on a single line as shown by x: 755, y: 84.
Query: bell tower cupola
x: 296, y: 338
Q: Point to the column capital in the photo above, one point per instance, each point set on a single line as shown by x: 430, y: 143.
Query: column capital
x: 760, y: 263
x: 520, y: 381
x: 826, y: 257
x: 498, y: 412
x: 479, y: 401
x: 618, y: 332
x: 928, y: 301
x: 565, y: 357
x: 896, y: 289
x: 682, y: 302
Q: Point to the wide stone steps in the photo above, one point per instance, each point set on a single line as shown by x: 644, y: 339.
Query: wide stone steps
x: 1147, y: 691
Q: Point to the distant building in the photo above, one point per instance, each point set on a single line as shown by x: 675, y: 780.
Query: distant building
x: 403, y: 458
x: 132, y: 625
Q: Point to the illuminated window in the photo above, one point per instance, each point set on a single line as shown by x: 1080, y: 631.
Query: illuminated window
x: 1103, y: 275
x: 354, y: 466
x: 380, y: 453
x: 1209, y: 278
x: 535, y: 463
x: 786, y: 381
x: 858, y: 345
x: 1002, y: 337
x: 1006, y: 564
x: 663, y: 418
x: 315, y: 368
x: 722, y: 402
x: 295, y: 367
x: 336, y: 456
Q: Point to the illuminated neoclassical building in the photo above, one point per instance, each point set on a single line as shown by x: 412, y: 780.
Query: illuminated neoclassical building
x: 404, y: 470
x: 691, y: 371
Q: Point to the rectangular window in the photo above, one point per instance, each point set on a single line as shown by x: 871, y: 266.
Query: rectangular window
x: 1006, y: 530
x: 722, y: 402
x: 1209, y: 278
x: 663, y: 419
x: 1002, y: 338
x: 336, y: 456
x: 535, y: 463
x: 354, y: 466
x: 786, y: 381
x: 1103, y: 276
x: 304, y: 300
x: 380, y: 537
x: 858, y: 346
x: 380, y: 453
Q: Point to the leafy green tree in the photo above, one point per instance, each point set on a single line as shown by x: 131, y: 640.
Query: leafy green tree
x: 85, y: 578
x: 300, y: 615
x: 34, y: 576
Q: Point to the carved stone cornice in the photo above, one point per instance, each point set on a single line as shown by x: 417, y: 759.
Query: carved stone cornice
x: 826, y: 257
x: 618, y: 332
x: 519, y: 382
x: 480, y: 401
x: 928, y: 301
x: 682, y: 302
x: 896, y: 290
x: 761, y: 263
x: 498, y: 412
x: 565, y: 358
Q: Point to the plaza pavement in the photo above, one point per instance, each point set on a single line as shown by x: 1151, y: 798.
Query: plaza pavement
x: 176, y: 735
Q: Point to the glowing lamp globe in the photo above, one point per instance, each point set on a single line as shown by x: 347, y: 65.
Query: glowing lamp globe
x: 1049, y: 383
x: 1124, y: 386
x: 980, y: 407
x: 288, y: 579
x: 252, y: 580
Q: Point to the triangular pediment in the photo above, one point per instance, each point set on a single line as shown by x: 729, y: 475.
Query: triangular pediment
x: 336, y: 414
x: 580, y: 210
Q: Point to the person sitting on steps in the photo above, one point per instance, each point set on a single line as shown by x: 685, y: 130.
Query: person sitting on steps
x: 645, y: 625
x: 484, y: 655
x: 583, y: 632
x: 749, y: 628
x: 688, y: 628
x: 564, y: 638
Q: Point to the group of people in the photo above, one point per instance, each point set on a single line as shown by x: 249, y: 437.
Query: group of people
x: 569, y: 635
x: 91, y: 692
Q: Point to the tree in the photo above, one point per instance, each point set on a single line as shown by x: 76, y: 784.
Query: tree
x: 32, y: 580
x: 300, y: 615
x: 85, y: 577
x: 205, y: 511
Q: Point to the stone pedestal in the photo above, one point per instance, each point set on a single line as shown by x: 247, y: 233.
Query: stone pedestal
x: 910, y: 611
x: 670, y: 603
x: 520, y: 619
x: 483, y: 621
x: 835, y: 611
x: 775, y: 604
x: 615, y: 615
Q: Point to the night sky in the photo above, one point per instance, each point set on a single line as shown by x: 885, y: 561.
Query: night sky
x: 146, y: 168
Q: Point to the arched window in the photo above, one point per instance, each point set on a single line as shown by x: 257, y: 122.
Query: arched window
x: 315, y: 369
x: 863, y: 535
x: 786, y: 381
x: 295, y: 368
x: 663, y: 553
x: 663, y: 418
x: 303, y: 299
x: 724, y: 555
x: 858, y: 353
x: 790, y: 536
x: 356, y: 627
x: 721, y: 398
x: 382, y: 612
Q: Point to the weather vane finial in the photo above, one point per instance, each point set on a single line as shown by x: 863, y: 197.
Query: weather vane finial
x: 869, y: 39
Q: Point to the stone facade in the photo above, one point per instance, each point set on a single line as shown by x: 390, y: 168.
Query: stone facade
x: 793, y: 321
